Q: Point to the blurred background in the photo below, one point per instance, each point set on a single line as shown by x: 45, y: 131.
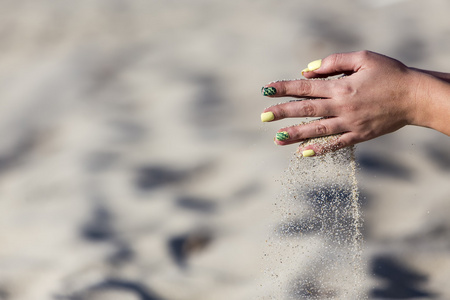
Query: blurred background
x: 133, y: 164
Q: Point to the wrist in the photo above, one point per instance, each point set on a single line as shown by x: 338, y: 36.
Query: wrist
x: 431, y: 102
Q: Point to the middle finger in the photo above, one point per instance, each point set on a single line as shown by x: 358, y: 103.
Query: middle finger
x: 299, y: 88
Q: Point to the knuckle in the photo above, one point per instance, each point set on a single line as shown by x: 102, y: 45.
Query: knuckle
x: 335, y: 59
x: 339, y: 144
x: 344, y: 89
x: 305, y: 88
x: 281, y: 113
x: 336, y: 145
x: 321, y: 129
x: 367, y: 135
x: 350, y: 109
x: 309, y: 110
x: 364, y: 55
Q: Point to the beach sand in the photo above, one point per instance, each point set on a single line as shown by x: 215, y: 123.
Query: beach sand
x: 133, y: 163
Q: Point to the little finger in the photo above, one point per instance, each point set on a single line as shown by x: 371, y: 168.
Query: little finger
x: 318, y: 128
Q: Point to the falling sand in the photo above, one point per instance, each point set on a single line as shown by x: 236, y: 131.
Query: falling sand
x: 314, y: 251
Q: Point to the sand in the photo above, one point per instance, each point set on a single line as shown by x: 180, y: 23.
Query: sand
x: 134, y: 164
x: 320, y: 226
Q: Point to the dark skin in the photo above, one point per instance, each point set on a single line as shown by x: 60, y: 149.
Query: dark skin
x: 379, y: 95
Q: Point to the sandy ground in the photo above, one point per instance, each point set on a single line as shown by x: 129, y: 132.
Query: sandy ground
x: 133, y: 164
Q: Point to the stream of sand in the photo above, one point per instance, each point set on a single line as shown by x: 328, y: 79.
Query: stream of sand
x: 315, y: 251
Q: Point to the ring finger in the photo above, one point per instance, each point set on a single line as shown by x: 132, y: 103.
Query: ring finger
x: 300, y: 109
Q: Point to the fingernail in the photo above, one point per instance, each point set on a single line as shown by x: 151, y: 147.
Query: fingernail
x: 282, y: 136
x: 268, y: 91
x: 308, y: 153
x: 267, y: 116
x: 314, y: 65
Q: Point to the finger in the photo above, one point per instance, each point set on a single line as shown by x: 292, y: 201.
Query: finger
x: 298, y: 88
x: 320, y: 146
x: 338, y: 63
x: 300, y: 109
x: 298, y: 133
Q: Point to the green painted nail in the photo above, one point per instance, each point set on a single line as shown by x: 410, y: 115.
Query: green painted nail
x: 282, y: 136
x: 268, y: 91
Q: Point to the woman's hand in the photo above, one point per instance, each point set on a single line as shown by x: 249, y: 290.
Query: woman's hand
x: 379, y: 95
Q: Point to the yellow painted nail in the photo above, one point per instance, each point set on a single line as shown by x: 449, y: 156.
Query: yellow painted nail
x: 314, y: 65
x: 305, y: 70
x: 267, y: 116
x: 308, y: 153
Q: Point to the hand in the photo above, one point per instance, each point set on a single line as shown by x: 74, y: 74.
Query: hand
x: 379, y: 95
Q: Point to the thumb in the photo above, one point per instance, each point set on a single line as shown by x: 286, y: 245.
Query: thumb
x: 335, y: 64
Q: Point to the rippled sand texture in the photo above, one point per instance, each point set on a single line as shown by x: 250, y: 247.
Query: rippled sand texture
x: 133, y: 164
